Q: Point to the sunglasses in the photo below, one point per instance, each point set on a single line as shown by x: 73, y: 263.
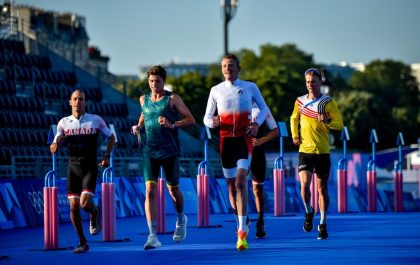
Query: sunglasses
x: 313, y: 71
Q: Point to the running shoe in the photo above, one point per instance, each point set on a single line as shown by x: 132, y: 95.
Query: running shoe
x: 181, y: 230
x: 95, y: 222
x: 308, y: 224
x: 152, y: 242
x: 242, y: 243
x: 322, y: 231
x: 81, y: 248
x: 260, y: 229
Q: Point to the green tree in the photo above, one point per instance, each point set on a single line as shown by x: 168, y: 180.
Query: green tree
x: 278, y: 72
x: 192, y: 87
x: 135, y: 88
x: 385, y: 96
x: 391, y: 102
x: 357, y: 109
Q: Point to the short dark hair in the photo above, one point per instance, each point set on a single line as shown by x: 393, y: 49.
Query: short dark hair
x: 157, y: 70
x: 80, y: 90
x: 233, y: 57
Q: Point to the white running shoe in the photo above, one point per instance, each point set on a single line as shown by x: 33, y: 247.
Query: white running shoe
x: 181, y: 230
x: 152, y: 242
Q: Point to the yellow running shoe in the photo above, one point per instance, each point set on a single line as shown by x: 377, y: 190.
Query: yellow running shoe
x: 242, y: 243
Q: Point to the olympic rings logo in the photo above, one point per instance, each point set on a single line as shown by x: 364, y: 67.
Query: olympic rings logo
x: 37, y: 201
x: 63, y: 200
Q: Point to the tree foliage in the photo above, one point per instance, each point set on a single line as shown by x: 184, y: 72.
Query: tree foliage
x: 385, y: 96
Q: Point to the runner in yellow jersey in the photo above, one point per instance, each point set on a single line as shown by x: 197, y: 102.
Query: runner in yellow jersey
x: 314, y: 114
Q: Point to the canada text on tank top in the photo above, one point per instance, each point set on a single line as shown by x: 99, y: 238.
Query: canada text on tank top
x: 312, y: 107
x: 82, y: 135
x: 234, y: 104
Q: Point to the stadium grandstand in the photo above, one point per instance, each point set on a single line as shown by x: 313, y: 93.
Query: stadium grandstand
x: 44, y: 56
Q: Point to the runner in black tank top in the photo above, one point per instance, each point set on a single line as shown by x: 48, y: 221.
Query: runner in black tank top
x: 80, y: 132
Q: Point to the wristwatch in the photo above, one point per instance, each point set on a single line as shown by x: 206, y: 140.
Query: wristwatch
x: 107, y: 155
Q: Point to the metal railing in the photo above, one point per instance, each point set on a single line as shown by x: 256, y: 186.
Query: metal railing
x: 33, y: 167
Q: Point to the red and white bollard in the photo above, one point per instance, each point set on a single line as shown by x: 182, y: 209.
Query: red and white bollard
x: 50, y: 218
x: 51, y: 200
x: 398, y: 191
x: 108, y: 212
x: 342, y: 190
x: 161, y: 210
x: 203, y: 198
x: 371, y: 183
x: 279, y: 208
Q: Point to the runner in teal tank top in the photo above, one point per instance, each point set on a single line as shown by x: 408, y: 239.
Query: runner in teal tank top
x: 162, y: 113
x: 162, y: 142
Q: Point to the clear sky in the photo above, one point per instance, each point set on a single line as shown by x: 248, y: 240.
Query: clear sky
x: 134, y: 33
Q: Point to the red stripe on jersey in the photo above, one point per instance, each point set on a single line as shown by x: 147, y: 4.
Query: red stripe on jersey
x: 234, y: 125
x: 309, y: 113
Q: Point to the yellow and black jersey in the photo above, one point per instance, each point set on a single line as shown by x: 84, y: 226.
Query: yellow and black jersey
x: 304, y: 123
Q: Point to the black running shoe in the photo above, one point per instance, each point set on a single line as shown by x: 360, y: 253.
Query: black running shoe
x: 81, y: 248
x: 260, y: 229
x: 322, y: 232
x: 308, y: 224
x: 95, y: 222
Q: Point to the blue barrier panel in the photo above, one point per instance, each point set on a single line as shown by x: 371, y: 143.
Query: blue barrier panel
x: 30, y: 199
x: 11, y: 212
x: 222, y: 193
x: 129, y: 196
x: 21, y: 201
x: 190, y: 196
x: 218, y: 196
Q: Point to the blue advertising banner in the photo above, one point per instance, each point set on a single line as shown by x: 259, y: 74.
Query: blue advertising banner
x: 11, y: 213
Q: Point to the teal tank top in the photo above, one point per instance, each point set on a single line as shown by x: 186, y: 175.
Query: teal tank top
x: 161, y: 142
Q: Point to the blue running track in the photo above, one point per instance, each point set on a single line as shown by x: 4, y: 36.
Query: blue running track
x: 360, y: 238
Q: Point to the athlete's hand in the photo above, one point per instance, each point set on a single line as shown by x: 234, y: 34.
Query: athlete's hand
x: 61, y: 140
x: 163, y: 121
x: 135, y: 129
x: 324, y: 117
x: 216, y: 121
x: 104, y: 162
x: 256, y: 142
x: 296, y: 141
x: 252, y: 129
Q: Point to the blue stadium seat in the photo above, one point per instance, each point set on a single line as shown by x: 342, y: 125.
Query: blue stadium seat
x: 11, y: 137
x: 39, y: 104
x: 5, y: 156
x: 20, y: 139
x: 13, y: 103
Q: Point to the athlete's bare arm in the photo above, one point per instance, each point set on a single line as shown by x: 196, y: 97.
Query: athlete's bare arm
x: 178, y: 104
x: 268, y: 137
x: 54, y: 146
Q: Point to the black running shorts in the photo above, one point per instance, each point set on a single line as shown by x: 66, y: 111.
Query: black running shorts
x: 81, y: 175
x: 170, y: 167
x: 258, y: 165
x: 316, y: 163
x: 233, y: 149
